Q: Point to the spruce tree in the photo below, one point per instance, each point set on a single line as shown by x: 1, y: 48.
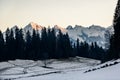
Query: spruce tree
x: 59, y: 45
x: 7, y: 46
x: 114, y: 51
x: 28, y: 45
x: 35, y: 45
x: 74, y: 52
x: 20, y: 44
x: 78, y: 48
x: 1, y: 47
x: 12, y: 45
x: 51, y: 41
x: 44, y: 48
x: 67, y: 46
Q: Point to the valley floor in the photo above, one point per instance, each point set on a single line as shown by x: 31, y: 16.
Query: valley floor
x: 71, y: 69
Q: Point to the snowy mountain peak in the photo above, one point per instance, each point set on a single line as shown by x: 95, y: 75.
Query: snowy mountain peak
x: 57, y: 27
x: 97, y: 27
x: 14, y: 27
x: 60, y: 28
x: 32, y: 26
x: 69, y: 27
x: 36, y: 26
x: 78, y: 27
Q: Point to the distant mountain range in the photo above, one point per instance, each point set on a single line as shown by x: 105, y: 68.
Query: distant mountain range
x: 90, y: 34
x: 93, y: 33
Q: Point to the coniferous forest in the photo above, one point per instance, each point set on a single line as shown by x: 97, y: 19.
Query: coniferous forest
x: 46, y: 45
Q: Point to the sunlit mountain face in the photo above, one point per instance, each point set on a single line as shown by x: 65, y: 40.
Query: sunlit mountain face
x: 36, y: 26
x: 56, y: 27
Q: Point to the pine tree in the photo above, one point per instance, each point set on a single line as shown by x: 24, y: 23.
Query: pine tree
x: 7, y: 46
x: 66, y: 46
x: 38, y: 46
x: 74, y: 52
x: 51, y: 42
x: 28, y: 45
x: 114, y: 51
x: 1, y: 47
x: 44, y: 43
x: 12, y: 45
x: 35, y: 45
x: 59, y: 45
x: 78, y: 48
x: 84, y: 48
x: 20, y: 44
x: 91, y: 51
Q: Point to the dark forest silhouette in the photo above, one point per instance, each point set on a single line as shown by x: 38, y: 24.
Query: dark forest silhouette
x: 114, y: 50
x: 46, y: 45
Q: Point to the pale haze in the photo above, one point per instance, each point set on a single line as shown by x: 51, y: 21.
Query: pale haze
x: 60, y: 12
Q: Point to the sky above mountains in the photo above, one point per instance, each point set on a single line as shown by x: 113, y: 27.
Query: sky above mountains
x: 60, y: 12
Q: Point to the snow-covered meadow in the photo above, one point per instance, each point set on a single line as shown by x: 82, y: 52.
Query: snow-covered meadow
x: 69, y: 69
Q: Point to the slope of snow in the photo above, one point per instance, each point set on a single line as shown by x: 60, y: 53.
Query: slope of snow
x: 108, y: 73
x: 57, y: 28
x: 32, y: 26
x: 27, y: 68
x: 72, y: 69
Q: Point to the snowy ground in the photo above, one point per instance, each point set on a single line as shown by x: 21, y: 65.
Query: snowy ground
x: 72, y: 69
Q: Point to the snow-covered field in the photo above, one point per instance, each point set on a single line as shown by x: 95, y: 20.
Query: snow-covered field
x: 70, y: 69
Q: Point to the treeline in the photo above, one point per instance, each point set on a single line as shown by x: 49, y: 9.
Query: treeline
x: 44, y: 45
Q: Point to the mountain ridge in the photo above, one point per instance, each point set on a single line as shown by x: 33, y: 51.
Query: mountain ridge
x: 93, y: 33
